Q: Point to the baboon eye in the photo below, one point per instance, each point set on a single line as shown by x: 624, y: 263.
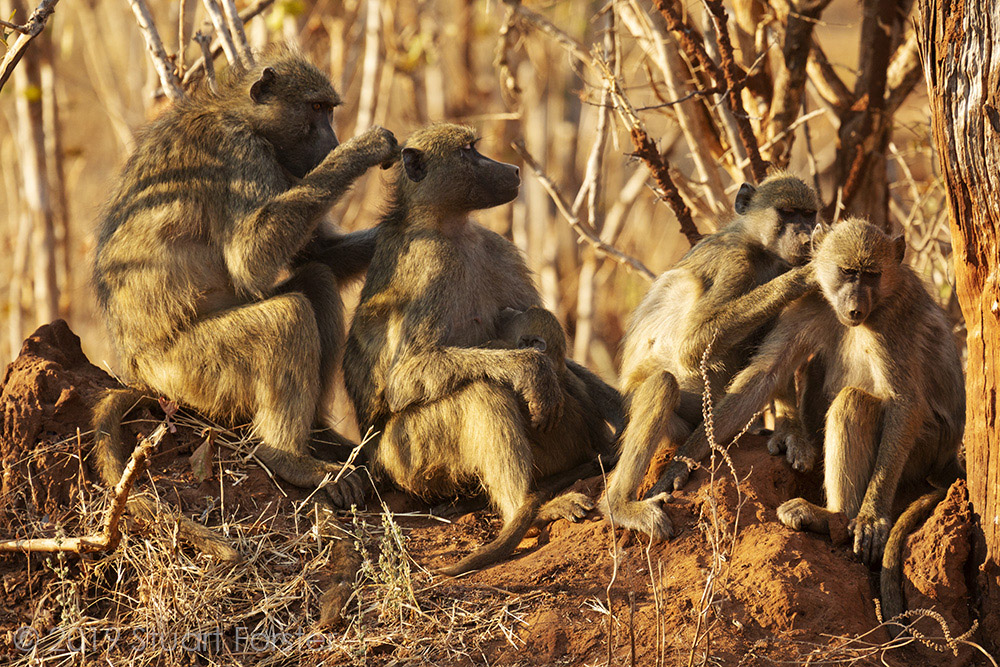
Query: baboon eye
x: 850, y: 273
x: 317, y: 106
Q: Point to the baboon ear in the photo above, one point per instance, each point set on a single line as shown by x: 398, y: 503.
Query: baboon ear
x: 534, y: 342
x: 818, y: 234
x: 262, y: 86
x: 743, y: 198
x: 899, y: 247
x: 414, y: 164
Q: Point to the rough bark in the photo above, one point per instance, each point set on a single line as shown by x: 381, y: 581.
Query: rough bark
x: 962, y: 67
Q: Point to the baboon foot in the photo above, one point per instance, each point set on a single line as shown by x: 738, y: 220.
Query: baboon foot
x: 571, y: 506
x: 674, y: 479
x: 800, y: 514
x: 790, y: 439
x: 870, y: 535
x: 350, y: 489
x: 648, y: 516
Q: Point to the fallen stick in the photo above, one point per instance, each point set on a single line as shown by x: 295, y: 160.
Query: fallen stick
x: 110, y: 534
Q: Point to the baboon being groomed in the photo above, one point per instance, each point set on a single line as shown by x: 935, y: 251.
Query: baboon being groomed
x: 222, y: 193
x: 724, y: 294
x: 891, y: 397
x: 449, y: 411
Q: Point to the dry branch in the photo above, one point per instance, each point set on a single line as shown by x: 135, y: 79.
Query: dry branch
x: 826, y: 81
x: 250, y: 12
x: 27, y: 32
x: 161, y: 61
x: 583, y: 230
x: 222, y: 30
x: 235, y: 25
x: 110, y: 533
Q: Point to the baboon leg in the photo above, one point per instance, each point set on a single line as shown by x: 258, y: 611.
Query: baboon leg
x: 651, y: 420
x: 319, y: 284
x: 503, y: 462
x: 235, y: 371
x: 853, y: 430
x: 790, y: 436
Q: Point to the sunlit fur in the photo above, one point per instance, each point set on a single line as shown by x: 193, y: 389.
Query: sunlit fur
x: 890, y: 400
x: 452, y: 414
x: 725, y: 293
x: 208, y: 213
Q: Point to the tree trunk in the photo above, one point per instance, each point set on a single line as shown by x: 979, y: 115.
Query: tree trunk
x: 962, y: 66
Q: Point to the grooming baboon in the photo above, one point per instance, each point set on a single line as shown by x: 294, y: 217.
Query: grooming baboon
x: 889, y: 382
x: 725, y: 293
x: 222, y: 193
x: 449, y: 411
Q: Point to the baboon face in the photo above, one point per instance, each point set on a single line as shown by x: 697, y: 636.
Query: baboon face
x: 857, y: 265
x: 788, y: 209
x: 444, y: 171
x: 534, y: 328
x: 292, y: 108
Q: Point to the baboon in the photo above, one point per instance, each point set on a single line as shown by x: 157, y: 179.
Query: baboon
x: 539, y: 329
x: 450, y: 412
x: 889, y: 387
x: 222, y: 194
x: 725, y: 293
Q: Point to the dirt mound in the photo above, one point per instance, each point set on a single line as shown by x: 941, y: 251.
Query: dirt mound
x: 761, y: 594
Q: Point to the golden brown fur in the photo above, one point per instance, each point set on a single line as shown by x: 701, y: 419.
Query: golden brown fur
x: 222, y: 193
x: 725, y: 293
x: 887, y: 380
x: 450, y: 412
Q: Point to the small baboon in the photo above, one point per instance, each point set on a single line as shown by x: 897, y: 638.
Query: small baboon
x: 223, y: 193
x: 888, y: 384
x: 451, y: 412
x: 725, y: 293
x: 583, y: 410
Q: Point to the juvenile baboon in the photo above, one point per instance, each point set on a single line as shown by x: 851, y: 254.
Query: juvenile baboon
x: 725, y: 293
x: 890, y: 386
x: 222, y: 193
x: 583, y: 413
x: 450, y: 412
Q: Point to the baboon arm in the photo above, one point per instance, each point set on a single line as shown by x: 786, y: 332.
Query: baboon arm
x: 347, y: 255
x: 784, y: 349
x: 432, y: 374
x: 266, y: 239
x: 605, y: 396
x: 732, y: 321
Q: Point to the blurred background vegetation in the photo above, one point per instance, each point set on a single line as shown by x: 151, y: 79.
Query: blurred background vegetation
x: 832, y: 90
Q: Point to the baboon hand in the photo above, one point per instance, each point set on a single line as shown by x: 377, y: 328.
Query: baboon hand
x: 538, y: 385
x: 350, y: 489
x: 571, y: 506
x: 674, y: 479
x: 380, y: 146
x: 790, y: 439
x: 870, y: 535
x: 648, y: 516
x: 796, y: 513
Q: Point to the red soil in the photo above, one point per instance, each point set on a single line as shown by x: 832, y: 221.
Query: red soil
x: 781, y: 595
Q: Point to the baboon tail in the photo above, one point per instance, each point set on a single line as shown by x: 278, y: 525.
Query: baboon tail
x: 111, y: 455
x: 505, y: 543
x: 891, y: 585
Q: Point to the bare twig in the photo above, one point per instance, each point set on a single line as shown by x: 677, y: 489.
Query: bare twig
x: 28, y: 32
x: 235, y: 24
x: 829, y: 86
x: 110, y: 534
x: 250, y: 12
x: 583, y: 230
x: 222, y: 30
x: 204, y: 41
x: 161, y: 61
